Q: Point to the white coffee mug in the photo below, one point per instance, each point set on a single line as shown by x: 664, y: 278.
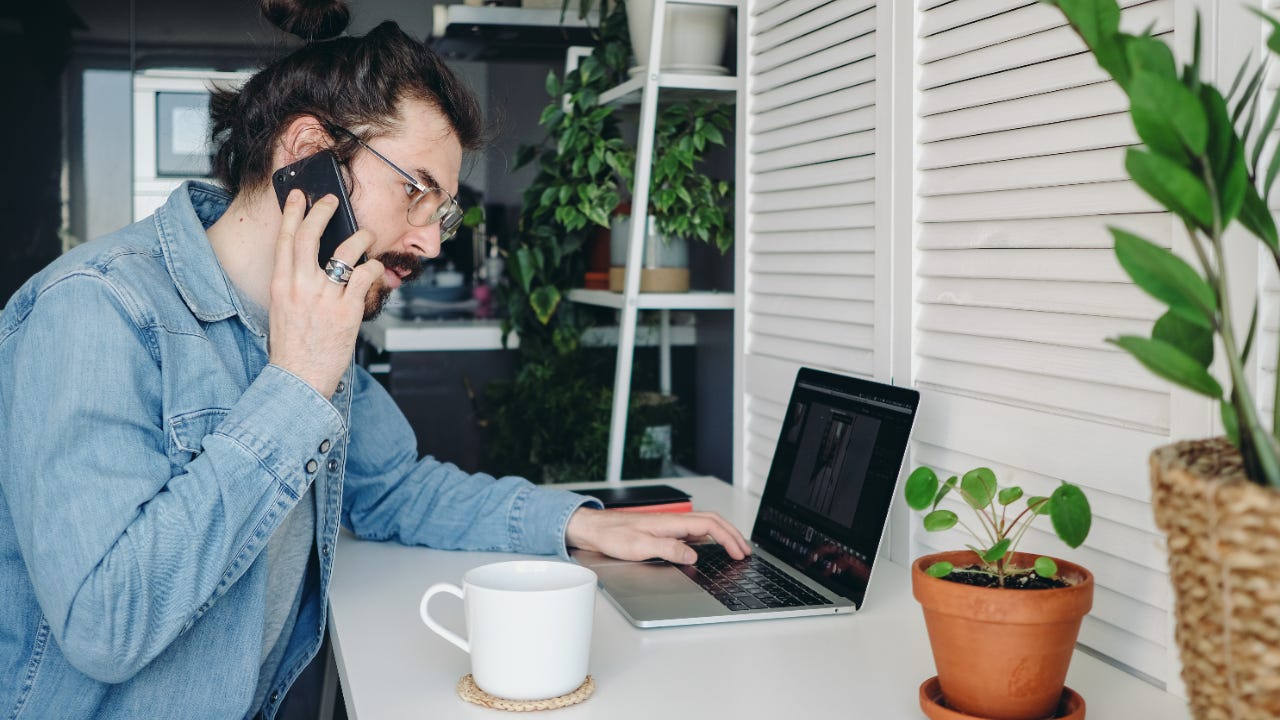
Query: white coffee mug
x: 528, y: 626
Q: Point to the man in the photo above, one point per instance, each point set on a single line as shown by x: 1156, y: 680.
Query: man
x: 184, y: 428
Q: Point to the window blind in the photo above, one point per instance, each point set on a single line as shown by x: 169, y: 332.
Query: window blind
x: 811, y: 238
x: 1020, y: 145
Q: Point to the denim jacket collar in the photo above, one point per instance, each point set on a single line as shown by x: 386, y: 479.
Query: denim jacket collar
x: 181, y: 224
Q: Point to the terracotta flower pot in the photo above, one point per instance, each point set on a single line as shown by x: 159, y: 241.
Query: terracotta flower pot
x: 1001, y: 654
x: 1224, y: 562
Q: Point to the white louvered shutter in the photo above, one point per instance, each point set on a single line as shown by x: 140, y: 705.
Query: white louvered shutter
x: 811, y: 241
x: 1020, y: 151
x: 1269, y: 281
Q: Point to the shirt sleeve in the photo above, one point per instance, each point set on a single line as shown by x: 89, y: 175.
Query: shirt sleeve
x: 129, y: 538
x: 391, y: 494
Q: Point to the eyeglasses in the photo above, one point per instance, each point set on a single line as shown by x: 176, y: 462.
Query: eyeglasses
x: 429, y: 205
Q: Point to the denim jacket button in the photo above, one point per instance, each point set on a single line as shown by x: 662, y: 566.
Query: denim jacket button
x: 312, y: 465
x: 341, y: 386
x: 274, y: 697
x: 333, y: 465
x: 325, y: 550
x: 324, y: 446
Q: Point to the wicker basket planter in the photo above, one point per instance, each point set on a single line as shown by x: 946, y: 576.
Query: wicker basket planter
x: 1224, y: 563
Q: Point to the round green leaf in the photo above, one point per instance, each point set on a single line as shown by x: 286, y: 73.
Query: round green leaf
x: 940, y: 520
x: 921, y: 487
x: 940, y: 569
x: 997, y: 551
x: 947, y: 487
x: 1070, y: 513
x: 1046, y: 567
x: 1009, y: 496
x: 978, y: 487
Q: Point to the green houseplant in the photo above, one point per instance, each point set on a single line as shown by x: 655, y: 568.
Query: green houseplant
x: 1204, y: 158
x: 581, y: 165
x: 686, y: 204
x: 1002, y: 624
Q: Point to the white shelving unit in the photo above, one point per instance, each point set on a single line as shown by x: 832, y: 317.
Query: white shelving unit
x: 644, y: 89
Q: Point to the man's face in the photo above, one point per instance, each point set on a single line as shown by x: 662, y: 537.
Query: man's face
x: 426, y: 147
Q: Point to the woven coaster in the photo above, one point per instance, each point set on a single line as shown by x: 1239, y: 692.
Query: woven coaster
x: 469, y: 691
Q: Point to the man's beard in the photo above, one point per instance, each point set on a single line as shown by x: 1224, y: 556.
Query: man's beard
x: 379, y: 293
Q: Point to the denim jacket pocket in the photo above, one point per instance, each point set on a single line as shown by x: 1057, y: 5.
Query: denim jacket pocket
x: 187, y: 431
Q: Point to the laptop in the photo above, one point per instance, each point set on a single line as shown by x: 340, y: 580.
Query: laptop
x: 821, y: 518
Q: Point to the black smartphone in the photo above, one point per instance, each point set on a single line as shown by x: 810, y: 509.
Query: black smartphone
x: 637, y: 495
x: 319, y: 175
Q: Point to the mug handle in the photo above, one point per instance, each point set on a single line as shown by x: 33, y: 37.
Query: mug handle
x: 436, y: 627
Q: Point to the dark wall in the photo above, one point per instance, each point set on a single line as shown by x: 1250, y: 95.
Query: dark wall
x: 34, y: 49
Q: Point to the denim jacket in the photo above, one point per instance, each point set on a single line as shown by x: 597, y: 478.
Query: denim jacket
x: 149, y: 452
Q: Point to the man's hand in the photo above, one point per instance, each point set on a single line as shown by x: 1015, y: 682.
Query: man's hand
x: 640, y: 536
x: 314, y: 321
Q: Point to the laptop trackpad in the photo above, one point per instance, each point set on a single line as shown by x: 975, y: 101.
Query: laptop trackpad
x: 646, y: 578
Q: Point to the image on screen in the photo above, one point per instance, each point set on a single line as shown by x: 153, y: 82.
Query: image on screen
x: 831, y: 468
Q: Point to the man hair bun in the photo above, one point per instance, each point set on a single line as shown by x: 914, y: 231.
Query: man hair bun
x: 308, y: 19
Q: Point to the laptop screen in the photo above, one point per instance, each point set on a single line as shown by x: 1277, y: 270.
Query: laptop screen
x: 833, y: 476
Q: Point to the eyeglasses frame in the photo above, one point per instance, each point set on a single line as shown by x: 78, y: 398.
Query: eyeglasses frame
x: 450, y: 208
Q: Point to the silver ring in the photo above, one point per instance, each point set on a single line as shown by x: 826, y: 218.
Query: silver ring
x: 338, y: 271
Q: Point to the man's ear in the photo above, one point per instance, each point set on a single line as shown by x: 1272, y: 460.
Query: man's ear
x: 304, y: 136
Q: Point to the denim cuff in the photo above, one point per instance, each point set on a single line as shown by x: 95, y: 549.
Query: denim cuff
x: 540, y: 517
x: 287, y: 425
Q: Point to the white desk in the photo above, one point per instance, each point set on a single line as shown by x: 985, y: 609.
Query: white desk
x: 866, y: 665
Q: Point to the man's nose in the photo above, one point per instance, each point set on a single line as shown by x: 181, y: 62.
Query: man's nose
x: 424, y: 241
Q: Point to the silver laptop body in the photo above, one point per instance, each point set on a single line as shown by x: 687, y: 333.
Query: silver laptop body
x: 821, y: 518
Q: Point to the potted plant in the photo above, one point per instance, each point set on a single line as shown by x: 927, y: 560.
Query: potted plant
x: 693, y: 37
x: 1002, y: 624
x: 685, y: 203
x: 1216, y: 499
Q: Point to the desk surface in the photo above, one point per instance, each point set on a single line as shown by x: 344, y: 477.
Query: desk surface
x: 866, y: 665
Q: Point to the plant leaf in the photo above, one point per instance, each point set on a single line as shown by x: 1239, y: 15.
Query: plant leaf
x: 1225, y: 153
x: 921, y: 488
x: 544, y: 301
x: 1070, y: 513
x: 947, y: 487
x: 1170, y: 363
x: 1171, y: 184
x: 1167, y: 116
x: 1046, y: 567
x: 1257, y: 219
x: 940, y: 520
x: 1166, y: 277
x: 1010, y: 495
x: 940, y: 569
x: 1192, y: 339
x: 978, y: 487
x: 1098, y: 23
x: 997, y: 551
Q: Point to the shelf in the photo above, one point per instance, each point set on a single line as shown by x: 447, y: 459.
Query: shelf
x: 679, y: 87
x: 657, y: 301
x: 495, y: 33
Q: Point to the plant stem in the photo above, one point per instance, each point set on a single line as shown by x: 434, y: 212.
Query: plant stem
x: 1257, y: 447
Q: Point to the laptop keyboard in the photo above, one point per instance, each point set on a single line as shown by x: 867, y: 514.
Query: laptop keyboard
x: 750, y: 584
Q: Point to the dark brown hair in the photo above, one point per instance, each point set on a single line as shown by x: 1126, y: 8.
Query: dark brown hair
x: 350, y: 82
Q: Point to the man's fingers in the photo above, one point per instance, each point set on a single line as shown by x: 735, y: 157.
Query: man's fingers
x: 363, y: 278
x: 306, y: 241
x: 354, y: 247
x: 294, y: 207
